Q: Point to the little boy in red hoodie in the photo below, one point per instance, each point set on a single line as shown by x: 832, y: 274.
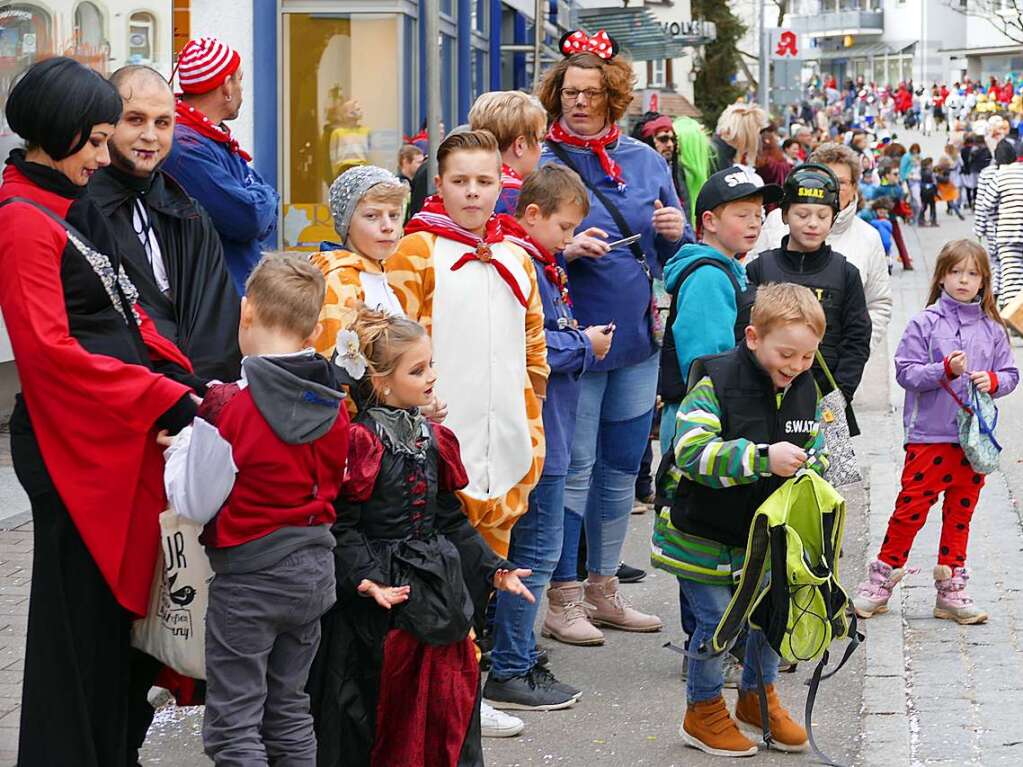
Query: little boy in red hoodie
x: 260, y: 467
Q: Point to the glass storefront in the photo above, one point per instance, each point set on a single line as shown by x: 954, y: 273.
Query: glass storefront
x: 25, y: 36
x: 341, y: 105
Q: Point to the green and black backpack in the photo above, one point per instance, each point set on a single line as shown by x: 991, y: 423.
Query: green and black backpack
x: 796, y: 533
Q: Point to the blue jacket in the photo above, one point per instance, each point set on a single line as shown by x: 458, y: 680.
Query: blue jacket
x: 705, y: 320
x: 570, y: 355
x: 242, y: 206
x: 614, y: 288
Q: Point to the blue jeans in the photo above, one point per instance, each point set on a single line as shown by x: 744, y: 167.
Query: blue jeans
x: 536, y: 544
x: 705, y: 678
x: 611, y: 431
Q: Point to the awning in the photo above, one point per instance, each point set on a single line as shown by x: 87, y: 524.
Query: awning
x: 636, y: 30
x: 867, y: 51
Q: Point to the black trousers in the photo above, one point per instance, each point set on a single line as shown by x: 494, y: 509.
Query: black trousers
x: 83, y: 683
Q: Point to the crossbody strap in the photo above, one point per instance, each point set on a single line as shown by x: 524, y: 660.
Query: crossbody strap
x: 616, y: 214
x: 945, y: 385
x: 114, y: 284
x: 826, y: 370
x: 62, y: 222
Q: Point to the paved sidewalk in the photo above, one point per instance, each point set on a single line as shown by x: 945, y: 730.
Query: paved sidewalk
x: 937, y: 693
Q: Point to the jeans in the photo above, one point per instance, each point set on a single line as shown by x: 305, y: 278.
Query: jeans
x: 536, y: 544
x: 611, y: 431
x: 705, y: 678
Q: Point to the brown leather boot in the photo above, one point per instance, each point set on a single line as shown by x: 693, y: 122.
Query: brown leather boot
x: 605, y: 606
x: 566, y: 619
x: 786, y: 735
x: 709, y: 727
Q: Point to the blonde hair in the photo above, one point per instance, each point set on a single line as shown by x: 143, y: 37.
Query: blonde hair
x: 739, y: 126
x: 550, y: 187
x: 785, y: 303
x: 386, y: 194
x: 508, y: 115
x: 955, y: 252
x: 617, y: 74
x: 286, y: 293
x: 467, y: 141
x: 831, y: 153
x: 383, y: 339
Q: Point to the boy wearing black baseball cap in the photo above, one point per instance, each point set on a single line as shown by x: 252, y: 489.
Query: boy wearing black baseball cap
x: 809, y: 207
x: 708, y: 283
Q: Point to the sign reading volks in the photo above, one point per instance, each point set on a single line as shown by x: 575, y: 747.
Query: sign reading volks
x: 699, y: 31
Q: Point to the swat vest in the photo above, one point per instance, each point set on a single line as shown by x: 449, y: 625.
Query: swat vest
x: 670, y: 385
x: 827, y: 283
x: 748, y: 409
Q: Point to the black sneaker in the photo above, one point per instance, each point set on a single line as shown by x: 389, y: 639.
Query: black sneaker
x: 546, y: 674
x: 628, y: 574
x: 530, y: 692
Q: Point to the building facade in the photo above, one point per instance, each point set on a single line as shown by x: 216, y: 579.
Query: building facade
x: 890, y: 41
x: 103, y: 34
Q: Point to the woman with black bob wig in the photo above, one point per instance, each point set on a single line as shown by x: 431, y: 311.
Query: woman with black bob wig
x: 83, y: 431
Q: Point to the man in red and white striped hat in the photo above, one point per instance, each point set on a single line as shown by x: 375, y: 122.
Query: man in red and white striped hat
x: 208, y: 162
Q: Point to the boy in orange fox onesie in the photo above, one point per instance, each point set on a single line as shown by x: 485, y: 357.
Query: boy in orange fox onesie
x: 476, y: 295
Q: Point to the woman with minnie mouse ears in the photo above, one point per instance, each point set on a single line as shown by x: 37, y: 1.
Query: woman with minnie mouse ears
x: 630, y: 192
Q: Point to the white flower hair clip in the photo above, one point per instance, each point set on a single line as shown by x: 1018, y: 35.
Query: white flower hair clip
x: 349, y: 356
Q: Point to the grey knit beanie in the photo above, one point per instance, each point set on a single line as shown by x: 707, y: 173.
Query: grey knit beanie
x: 348, y: 189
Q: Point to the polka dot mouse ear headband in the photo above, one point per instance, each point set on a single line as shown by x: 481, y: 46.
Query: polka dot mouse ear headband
x: 601, y: 45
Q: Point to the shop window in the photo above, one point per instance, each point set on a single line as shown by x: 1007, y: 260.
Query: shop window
x: 480, y: 12
x: 141, y: 38
x: 88, y: 30
x: 448, y: 84
x: 656, y: 74
x: 335, y: 116
x: 25, y: 37
x: 181, y: 13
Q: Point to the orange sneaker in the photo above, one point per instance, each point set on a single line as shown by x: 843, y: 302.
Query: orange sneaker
x: 709, y: 727
x: 786, y: 735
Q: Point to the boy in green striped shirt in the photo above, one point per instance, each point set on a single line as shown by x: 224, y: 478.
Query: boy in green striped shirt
x: 751, y: 420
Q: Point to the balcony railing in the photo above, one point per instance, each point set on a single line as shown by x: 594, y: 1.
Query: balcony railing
x: 840, y: 23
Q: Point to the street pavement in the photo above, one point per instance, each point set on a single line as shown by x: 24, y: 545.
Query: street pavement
x: 919, y: 692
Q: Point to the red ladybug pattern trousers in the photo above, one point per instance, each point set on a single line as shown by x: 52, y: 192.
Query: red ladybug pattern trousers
x: 932, y: 469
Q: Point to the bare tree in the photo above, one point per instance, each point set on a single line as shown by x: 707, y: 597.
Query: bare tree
x: 783, y: 8
x: 1004, y: 15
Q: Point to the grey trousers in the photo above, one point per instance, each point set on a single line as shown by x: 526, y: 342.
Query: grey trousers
x: 262, y: 631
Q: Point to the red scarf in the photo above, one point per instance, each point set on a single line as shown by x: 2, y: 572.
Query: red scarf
x: 434, y: 218
x: 598, y: 146
x: 510, y: 178
x: 551, y: 269
x: 201, y: 124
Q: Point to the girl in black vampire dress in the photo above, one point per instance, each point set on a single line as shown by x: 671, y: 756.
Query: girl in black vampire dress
x: 396, y: 680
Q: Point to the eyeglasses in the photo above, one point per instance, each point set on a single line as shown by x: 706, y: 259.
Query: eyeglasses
x: 664, y: 138
x: 592, y: 95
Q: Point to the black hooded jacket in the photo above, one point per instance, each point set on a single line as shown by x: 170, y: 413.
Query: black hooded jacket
x: 837, y: 284
x: 200, y: 314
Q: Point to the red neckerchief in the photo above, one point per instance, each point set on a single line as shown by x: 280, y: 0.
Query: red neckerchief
x: 434, y: 218
x: 201, y: 124
x: 596, y: 145
x: 510, y: 178
x: 514, y: 232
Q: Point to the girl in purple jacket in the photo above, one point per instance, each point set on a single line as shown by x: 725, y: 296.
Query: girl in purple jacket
x: 959, y: 338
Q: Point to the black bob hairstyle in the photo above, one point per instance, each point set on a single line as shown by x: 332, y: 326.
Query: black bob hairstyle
x: 57, y: 102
